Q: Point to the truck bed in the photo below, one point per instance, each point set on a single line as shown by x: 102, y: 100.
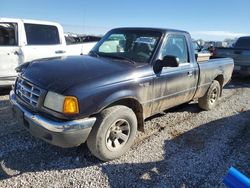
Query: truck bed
x: 216, y: 66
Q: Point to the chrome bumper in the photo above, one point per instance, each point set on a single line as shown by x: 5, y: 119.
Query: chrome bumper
x: 7, y: 81
x: 60, y: 133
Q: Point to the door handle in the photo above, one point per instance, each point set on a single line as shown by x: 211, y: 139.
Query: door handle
x: 190, y: 73
x: 16, y: 53
x: 60, y: 52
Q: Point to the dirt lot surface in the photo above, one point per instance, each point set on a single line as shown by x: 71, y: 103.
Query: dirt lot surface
x: 182, y: 147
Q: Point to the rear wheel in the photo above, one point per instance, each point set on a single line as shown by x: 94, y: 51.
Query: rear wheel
x: 210, y: 99
x: 113, y: 133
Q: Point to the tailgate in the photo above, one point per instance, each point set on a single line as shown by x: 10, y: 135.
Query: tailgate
x: 242, y: 57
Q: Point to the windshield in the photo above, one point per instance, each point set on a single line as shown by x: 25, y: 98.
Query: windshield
x: 134, y: 45
x: 243, y: 42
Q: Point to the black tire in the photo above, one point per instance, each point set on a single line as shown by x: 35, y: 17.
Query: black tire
x: 106, y: 140
x: 210, y: 99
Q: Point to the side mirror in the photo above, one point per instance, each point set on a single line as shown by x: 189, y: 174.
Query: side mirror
x: 167, y: 61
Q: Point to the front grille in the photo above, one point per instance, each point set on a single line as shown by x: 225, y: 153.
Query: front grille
x: 28, y: 92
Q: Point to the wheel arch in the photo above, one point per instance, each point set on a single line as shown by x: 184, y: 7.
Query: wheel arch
x: 130, y: 102
x: 220, y: 79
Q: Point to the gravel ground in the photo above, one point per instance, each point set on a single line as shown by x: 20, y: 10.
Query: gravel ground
x: 182, y: 147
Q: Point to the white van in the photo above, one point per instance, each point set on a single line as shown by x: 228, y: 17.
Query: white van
x: 26, y: 40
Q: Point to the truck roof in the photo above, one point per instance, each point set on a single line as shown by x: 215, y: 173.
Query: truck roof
x: 28, y: 21
x: 152, y: 29
x: 244, y: 37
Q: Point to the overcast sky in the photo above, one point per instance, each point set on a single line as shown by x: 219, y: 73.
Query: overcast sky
x: 210, y: 20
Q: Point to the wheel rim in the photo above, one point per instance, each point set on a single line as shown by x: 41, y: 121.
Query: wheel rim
x: 214, y: 95
x: 117, y: 135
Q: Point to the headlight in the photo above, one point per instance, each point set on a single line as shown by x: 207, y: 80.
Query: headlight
x: 60, y: 103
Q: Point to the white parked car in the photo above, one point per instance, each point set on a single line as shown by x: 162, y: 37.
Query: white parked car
x: 26, y: 40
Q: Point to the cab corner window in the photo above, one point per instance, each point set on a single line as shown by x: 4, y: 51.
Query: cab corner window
x: 176, y: 45
x: 41, y: 34
x: 8, y: 34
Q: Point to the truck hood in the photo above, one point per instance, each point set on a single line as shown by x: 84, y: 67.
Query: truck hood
x: 60, y: 74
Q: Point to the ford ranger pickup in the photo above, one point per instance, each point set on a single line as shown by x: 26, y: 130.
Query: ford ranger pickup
x: 104, y: 97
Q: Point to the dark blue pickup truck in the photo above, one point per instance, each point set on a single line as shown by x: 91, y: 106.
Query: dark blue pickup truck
x: 240, y: 53
x: 104, y: 97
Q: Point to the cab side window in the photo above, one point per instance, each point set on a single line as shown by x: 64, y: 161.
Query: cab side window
x: 41, y: 34
x: 8, y: 34
x: 176, y: 45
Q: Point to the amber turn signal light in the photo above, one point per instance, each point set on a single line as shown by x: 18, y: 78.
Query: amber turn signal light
x: 70, y: 105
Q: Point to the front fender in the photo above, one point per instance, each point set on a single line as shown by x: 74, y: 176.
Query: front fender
x: 93, y: 101
x: 117, y: 96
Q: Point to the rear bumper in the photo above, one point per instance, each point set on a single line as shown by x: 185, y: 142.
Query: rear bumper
x: 59, y: 133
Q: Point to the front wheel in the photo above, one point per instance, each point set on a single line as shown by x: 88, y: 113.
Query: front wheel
x: 113, y: 133
x: 210, y: 99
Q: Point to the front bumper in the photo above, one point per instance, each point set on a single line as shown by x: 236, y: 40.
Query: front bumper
x: 59, y: 133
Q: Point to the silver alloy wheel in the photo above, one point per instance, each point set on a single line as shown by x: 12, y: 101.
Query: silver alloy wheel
x: 117, y: 135
x: 214, y: 95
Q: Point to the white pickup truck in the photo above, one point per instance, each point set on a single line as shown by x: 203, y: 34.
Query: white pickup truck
x: 26, y: 40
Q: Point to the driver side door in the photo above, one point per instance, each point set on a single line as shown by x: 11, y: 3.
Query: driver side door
x: 175, y: 85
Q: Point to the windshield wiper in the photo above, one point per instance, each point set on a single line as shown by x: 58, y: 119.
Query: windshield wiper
x: 119, y: 57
